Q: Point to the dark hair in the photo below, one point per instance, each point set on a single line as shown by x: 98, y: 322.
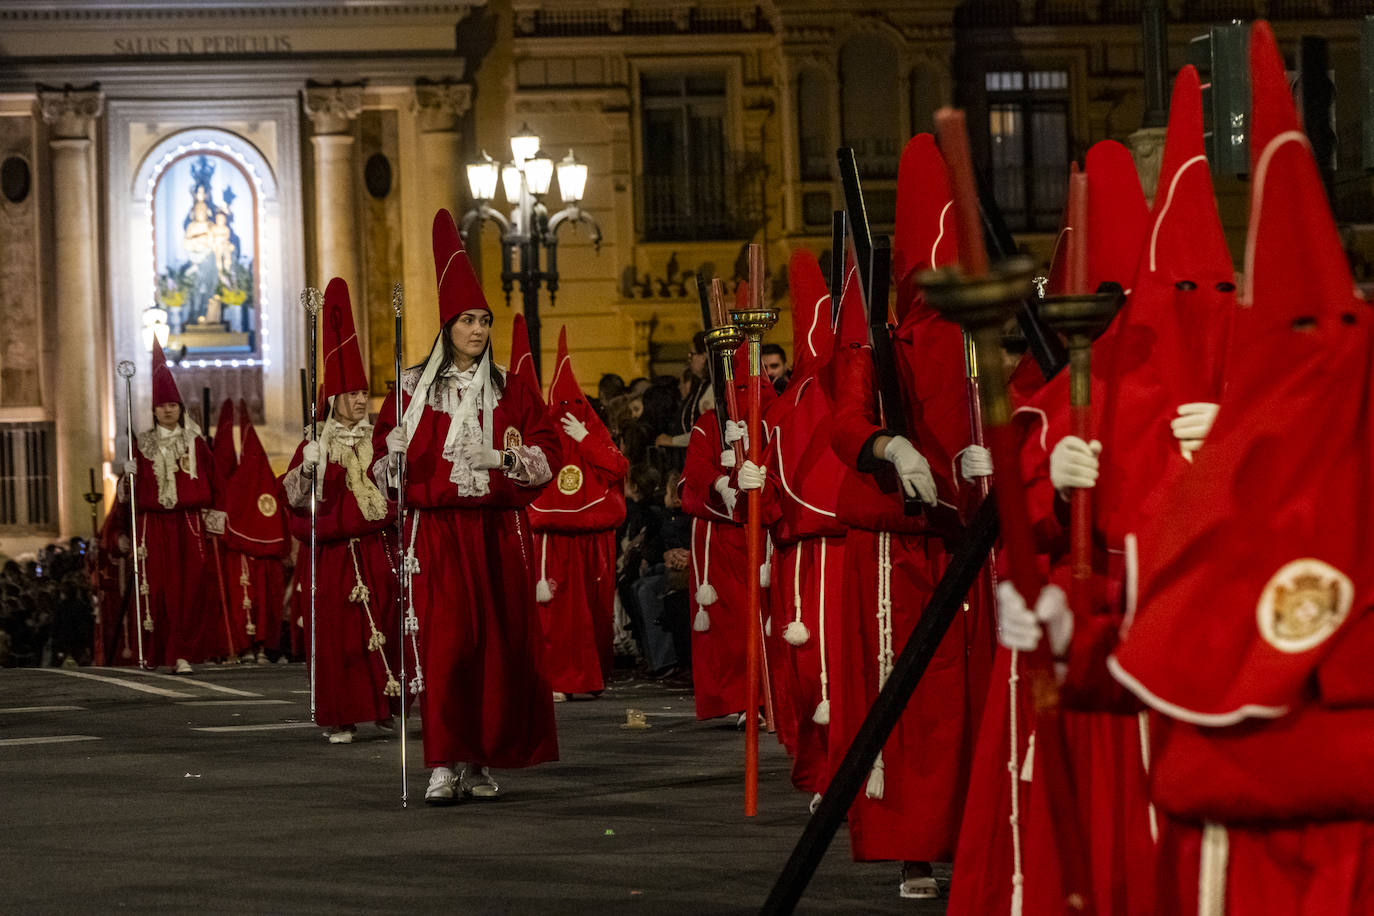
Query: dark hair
x: 660, y: 404
x: 773, y: 350
x: 699, y: 342
x: 610, y: 386
x: 646, y: 479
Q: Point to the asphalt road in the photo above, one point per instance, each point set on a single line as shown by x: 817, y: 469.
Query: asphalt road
x: 213, y: 793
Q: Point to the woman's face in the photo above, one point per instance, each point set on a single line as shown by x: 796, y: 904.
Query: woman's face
x: 697, y: 363
x: 167, y: 414
x: 470, y: 331
x: 636, y: 408
x: 350, y: 407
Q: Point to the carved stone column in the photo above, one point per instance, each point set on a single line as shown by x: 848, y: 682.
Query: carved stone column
x: 332, y: 111
x: 439, y: 109
x: 71, y: 114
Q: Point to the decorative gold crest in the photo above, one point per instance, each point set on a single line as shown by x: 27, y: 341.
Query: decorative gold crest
x: 184, y: 462
x: 267, y: 504
x: 569, y: 479
x: 1303, y: 604
x: 512, y: 438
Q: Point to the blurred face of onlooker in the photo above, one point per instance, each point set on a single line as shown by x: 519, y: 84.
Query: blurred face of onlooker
x: 636, y: 409
x: 774, y: 365
x: 696, y: 364
x: 671, y: 498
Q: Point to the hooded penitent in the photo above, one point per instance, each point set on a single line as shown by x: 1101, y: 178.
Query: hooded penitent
x: 585, y: 494
x: 256, y: 522
x: 521, y: 360
x: 173, y: 449
x: 226, y: 458
x: 1257, y: 574
x: 164, y: 386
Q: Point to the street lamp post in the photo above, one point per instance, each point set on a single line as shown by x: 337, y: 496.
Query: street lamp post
x: 529, y: 234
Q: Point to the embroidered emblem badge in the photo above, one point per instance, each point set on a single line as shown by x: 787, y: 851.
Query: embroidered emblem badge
x: 512, y: 438
x: 569, y: 479
x: 1303, y: 604
x: 267, y: 504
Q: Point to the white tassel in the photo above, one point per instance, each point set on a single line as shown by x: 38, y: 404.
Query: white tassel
x: 765, y: 575
x: 543, y: 589
x: 796, y: 633
x: 706, y: 595
x: 360, y: 594
x: 393, y: 687
x: 768, y: 628
x: 702, y: 622
x: 822, y: 714
x: 874, y: 789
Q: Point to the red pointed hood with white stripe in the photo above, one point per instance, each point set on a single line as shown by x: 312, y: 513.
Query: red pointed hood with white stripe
x: 521, y: 359
x: 458, y: 288
x: 256, y: 523
x: 811, y: 337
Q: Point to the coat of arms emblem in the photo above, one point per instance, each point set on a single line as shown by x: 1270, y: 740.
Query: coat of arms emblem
x: 1303, y: 604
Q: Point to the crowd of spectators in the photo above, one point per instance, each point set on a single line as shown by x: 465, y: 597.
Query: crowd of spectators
x: 45, y: 607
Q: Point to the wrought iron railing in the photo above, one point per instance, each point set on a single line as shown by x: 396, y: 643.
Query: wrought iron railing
x: 28, y: 479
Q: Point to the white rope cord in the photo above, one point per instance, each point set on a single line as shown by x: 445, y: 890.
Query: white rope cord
x: 822, y: 714
x: 706, y: 592
x: 796, y: 633
x: 1211, y: 885
x: 143, y: 577
x: 1143, y: 718
x: 543, y: 589
x: 410, y: 568
x: 766, y: 570
x: 246, y: 584
x: 361, y: 594
x: 1018, y: 879
x: 874, y: 789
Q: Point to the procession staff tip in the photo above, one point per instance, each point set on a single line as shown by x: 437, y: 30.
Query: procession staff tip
x: 311, y: 298
x: 126, y: 368
x: 397, y: 299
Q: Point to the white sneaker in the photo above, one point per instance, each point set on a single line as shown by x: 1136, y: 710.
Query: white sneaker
x: 560, y: 697
x: 262, y: 658
x: 477, y: 783
x: 340, y: 735
x: 184, y: 667
x: 442, y: 785
x: 913, y: 887
x: 815, y: 802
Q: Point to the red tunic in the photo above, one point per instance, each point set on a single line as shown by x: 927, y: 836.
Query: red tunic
x: 575, y: 519
x: 350, y: 676
x: 176, y: 554
x: 486, y: 699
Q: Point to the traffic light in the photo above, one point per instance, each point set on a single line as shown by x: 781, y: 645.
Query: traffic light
x: 1222, y: 60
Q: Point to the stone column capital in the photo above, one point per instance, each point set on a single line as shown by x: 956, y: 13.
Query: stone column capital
x: 439, y: 105
x: 332, y: 108
x: 70, y: 110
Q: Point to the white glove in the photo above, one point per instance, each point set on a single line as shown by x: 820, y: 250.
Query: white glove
x: 1193, y: 423
x: 1073, y: 464
x: 481, y: 457
x: 727, y: 458
x: 752, y: 476
x: 131, y: 466
x: 728, y: 494
x: 912, y: 468
x: 574, y: 427
x: 1019, y: 628
x: 214, y: 520
x: 975, y: 462
x: 310, y: 456
x: 396, y: 441
x: 735, y: 430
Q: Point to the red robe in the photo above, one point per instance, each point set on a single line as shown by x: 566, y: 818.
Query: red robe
x: 925, y: 762
x: 719, y: 548
x: 176, y: 554
x: 112, y: 585
x: 575, y: 519
x: 486, y: 699
x: 350, y: 676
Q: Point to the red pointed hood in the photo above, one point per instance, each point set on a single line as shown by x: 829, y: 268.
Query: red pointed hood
x: 1269, y: 531
x: 853, y: 323
x: 164, y: 386
x: 1118, y: 217
x: 565, y: 394
x: 1061, y: 260
x: 811, y: 337
x: 521, y: 360
x: 925, y: 235
x: 226, y: 459
x: 343, y: 359
x: 458, y: 288
x: 257, y: 523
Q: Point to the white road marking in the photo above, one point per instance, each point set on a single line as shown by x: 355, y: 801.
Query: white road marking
x: 183, y: 679
x: 219, y: 729
x: 43, y: 709
x: 120, y: 682
x: 48, y: 739
x: 234, y: 703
